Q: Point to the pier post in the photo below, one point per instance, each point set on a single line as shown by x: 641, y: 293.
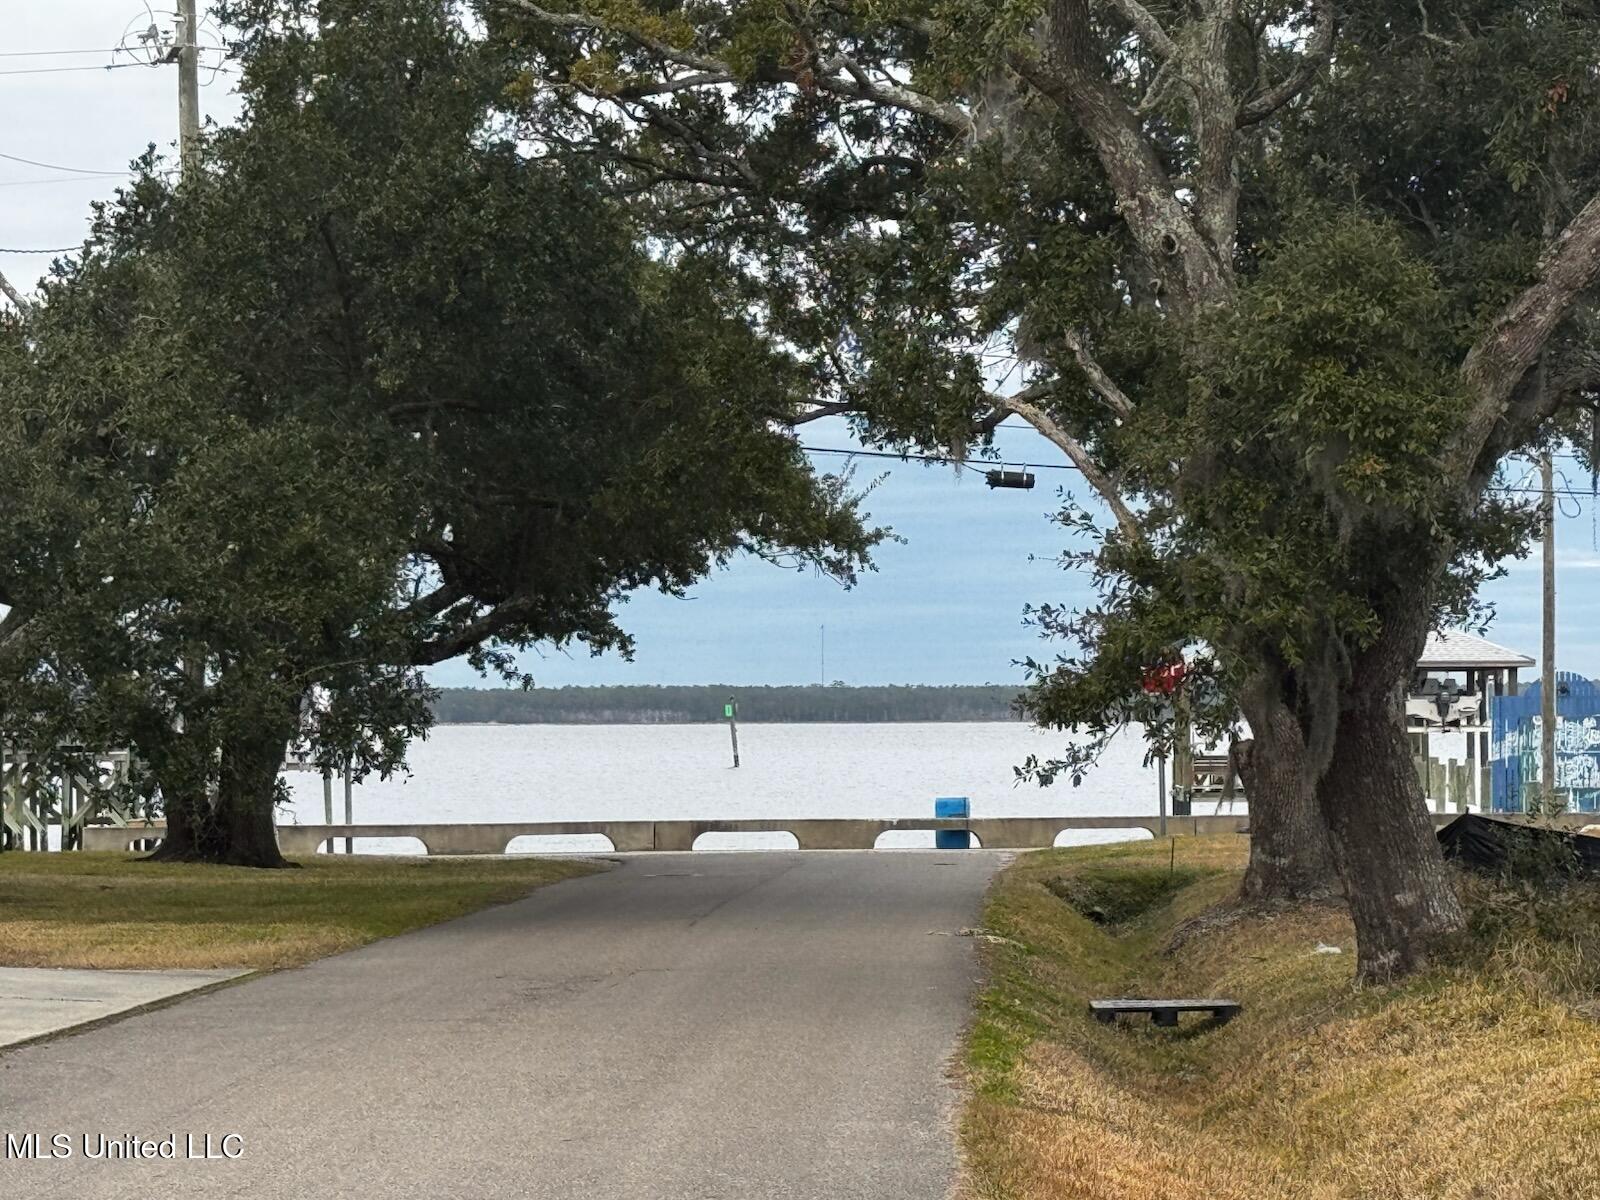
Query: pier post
x: 1161, y: 793
x: 327, y: 804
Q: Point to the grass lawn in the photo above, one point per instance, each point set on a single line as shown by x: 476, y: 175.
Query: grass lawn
x: 1480, y: 1079
x: 111, y: 910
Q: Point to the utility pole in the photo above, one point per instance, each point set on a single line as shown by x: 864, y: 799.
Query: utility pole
x: 1548, y: 717
x: 188, y: 56
x: 822, y: 668
x: 1547, y: 667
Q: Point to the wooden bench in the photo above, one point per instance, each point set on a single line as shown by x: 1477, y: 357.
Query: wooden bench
x: 1164, y: 1012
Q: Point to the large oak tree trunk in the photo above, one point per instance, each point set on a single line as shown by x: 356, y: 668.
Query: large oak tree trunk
x: 231, y: 823
x: 1290, y: 855
x: 181, y: 763
x: 245, y: 798
x: 191, y: 830
x: 1399, y: 890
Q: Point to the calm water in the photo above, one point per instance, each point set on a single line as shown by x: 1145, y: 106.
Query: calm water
x: 621, y: 772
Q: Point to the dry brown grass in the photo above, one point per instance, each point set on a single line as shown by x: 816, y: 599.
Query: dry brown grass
x: 111, y: 910
x: 1478, y: 1081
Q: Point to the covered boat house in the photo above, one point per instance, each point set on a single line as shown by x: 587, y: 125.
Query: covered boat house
x: 1448, y: 703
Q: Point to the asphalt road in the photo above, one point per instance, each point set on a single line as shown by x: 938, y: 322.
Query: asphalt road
x: 706, y: 1026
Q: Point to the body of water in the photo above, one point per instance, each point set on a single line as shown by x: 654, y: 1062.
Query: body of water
x: 661, y: 772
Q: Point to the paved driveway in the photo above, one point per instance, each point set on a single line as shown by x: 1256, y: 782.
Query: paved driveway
x: 707, y: 1026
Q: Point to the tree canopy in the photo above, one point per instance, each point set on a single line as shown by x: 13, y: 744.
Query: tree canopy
x: 1285, y: 281
x: 372, y: 389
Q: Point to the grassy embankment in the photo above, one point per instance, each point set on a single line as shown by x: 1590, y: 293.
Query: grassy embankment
x: 110, y: 910
x: 1480, y: 1079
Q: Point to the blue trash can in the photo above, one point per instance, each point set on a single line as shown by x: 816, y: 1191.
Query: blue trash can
x: 952, y: 808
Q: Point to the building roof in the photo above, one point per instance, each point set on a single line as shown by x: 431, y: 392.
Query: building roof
x: 1454, y: 650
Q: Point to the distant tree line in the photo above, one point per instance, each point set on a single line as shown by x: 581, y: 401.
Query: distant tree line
x: 633, y: 705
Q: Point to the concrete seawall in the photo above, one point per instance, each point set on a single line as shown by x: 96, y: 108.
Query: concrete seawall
x: 630, y: 837
x: 992, y: 833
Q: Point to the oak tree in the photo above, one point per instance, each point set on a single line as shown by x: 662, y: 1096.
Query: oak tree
x: 381, y: 386
x: 1290, y: 394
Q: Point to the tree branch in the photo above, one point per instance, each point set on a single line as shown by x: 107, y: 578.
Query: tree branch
x: 593, y: 23
x: 1116, y: 399
x: 452, y: 645
x: 1495, y: 366
x: 1190, y: 269
x: 1319, y: 49
x: 677, y: 128
x: 855, y: 84
x: 431, y: 604
x: 1081, y: 458
x: 661, y: 87
x: 833, y: 408
x: 1144, y: 23
x: 1214, y: 110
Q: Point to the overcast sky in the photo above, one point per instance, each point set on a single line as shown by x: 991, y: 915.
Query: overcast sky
x: 66, y: 110
x: 945, y: 607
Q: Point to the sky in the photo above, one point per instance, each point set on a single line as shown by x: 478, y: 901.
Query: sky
x: 946, y: 606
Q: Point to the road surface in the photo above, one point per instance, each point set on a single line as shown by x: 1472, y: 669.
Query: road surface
x: 697, y: 1026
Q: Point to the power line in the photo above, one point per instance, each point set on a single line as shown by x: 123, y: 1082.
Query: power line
x: 57, y: 179
x: 66, y: 70
x: 105, y: 67
x: 53, y: 53
x: 951, y: 462
x: 927, y: 458
x: 55, y: 250
x: 33, y: 162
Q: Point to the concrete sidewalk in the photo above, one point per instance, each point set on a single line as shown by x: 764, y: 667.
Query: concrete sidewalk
x: 35, y: 1001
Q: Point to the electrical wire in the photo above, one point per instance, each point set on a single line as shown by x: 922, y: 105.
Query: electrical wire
x: 1565, y: 492
x: 58, y: 179
x: 66, y: 70
x: 927, y: 458
x: 218, y: 70
x: 33, y: 162
x: 56, y: 250
x: 53, y: 53
x: 1027, y: 466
